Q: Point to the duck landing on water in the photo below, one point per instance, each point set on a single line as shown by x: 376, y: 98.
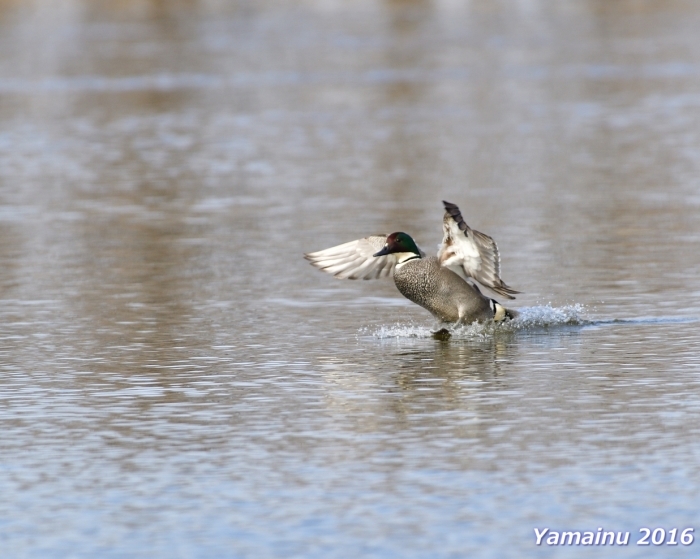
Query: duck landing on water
x: 445, y: 285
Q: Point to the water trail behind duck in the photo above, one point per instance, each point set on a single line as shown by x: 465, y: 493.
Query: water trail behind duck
x: 529, y: 319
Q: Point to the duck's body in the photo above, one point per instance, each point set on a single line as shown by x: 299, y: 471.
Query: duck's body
x: 441, y: 292
x: 438, y: 284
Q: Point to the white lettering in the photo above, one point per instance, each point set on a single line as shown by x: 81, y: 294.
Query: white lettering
x: 540, y: 536
x: 600, y: 537
x: 571, y: 536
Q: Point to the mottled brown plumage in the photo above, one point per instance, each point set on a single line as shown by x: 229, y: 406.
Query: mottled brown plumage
x: 441, y: 292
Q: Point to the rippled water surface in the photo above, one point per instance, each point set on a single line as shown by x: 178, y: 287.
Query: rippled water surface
x: 176, y: 381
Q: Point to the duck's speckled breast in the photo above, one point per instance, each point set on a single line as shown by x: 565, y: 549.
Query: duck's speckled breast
x: 440, y: 291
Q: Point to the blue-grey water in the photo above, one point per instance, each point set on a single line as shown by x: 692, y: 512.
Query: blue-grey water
x: 177, y: 382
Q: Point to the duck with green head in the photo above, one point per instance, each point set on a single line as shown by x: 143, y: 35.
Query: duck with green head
x: 445, y: 284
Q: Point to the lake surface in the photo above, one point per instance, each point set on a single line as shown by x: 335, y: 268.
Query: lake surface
x: 177, y: 381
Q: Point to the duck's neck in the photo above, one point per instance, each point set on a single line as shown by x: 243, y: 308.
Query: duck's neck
x: 406, y: 257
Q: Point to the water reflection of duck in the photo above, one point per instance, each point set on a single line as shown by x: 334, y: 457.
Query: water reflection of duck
x: 444, y: 284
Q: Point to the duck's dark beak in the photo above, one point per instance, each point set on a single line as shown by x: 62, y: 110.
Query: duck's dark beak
x: 382, y: 252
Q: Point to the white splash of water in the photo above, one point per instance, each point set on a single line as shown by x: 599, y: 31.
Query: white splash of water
x: 529, y: 318
x: 547, y: 315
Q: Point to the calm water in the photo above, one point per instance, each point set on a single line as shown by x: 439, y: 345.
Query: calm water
x: 176, y: 381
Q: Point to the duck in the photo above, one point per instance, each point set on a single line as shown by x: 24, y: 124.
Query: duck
x: 446, y: 285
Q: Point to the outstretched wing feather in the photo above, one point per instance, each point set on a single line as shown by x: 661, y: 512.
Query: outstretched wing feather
x: 476, y: 252
x: 355, y: 260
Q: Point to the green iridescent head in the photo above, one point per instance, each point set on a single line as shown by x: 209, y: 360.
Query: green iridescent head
x: 399, y: 242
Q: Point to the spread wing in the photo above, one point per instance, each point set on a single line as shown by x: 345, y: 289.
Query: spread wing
x: 354, y: 260
x: 471, y: 254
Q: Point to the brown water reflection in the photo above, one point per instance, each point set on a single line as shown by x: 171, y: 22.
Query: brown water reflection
x: 174, y: 376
